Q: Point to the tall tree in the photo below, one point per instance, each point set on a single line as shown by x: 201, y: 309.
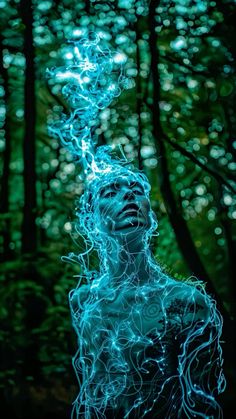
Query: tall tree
x: 29, y: 215
x: 4, y: 199
x: 183, y: 235
x: 230, y: 246
x: 139, y: 95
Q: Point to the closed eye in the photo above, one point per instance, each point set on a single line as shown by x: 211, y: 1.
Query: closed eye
x: 138, y: 192
x: 137, y: 188
x: 109, y: 194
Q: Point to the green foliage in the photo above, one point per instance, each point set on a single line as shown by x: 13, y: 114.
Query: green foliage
x: 196, y: 66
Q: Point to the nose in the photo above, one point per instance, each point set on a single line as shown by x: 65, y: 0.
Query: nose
x: 129, y: 195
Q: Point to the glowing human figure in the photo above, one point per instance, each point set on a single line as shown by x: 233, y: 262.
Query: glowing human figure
x: 148, y: 345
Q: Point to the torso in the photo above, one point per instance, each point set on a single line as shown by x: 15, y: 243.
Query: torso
x: 130, y: 344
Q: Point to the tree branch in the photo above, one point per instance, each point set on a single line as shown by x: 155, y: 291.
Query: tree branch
x: 218, y: 177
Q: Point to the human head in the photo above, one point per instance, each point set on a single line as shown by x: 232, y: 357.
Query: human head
x: 90, y: 210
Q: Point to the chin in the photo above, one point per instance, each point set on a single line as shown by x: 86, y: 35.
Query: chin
x: 131, y: 227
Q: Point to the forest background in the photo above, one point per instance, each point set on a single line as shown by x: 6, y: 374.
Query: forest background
x: 178, y: 125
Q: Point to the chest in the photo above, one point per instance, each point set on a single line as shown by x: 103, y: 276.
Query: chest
x: 129, y: 335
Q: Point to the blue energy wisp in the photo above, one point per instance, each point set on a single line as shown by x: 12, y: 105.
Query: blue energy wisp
x: 91, y: 81
x: 148, y: 345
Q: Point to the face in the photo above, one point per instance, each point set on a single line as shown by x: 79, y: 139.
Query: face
x: 122, y: 208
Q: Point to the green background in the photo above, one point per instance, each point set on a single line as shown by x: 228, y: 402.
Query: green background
x: 178, y: 125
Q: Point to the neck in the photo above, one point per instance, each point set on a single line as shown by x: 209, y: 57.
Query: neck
x: 129, y: 261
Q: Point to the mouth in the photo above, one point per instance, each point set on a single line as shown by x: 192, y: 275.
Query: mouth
x: 130, y: 225
x: 130, y: 209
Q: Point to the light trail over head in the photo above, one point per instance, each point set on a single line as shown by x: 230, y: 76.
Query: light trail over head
x: 92, y: 79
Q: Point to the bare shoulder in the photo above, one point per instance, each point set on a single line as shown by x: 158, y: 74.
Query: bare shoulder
x: 85, y: 292
x: 188, y: 300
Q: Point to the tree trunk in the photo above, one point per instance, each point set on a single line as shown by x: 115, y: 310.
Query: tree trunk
x: 4, y: 198
x: 29, y: 240
x: 87, y: 6
x: 178, y: 223
x: 230, y: 248
x: 139, y: 98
